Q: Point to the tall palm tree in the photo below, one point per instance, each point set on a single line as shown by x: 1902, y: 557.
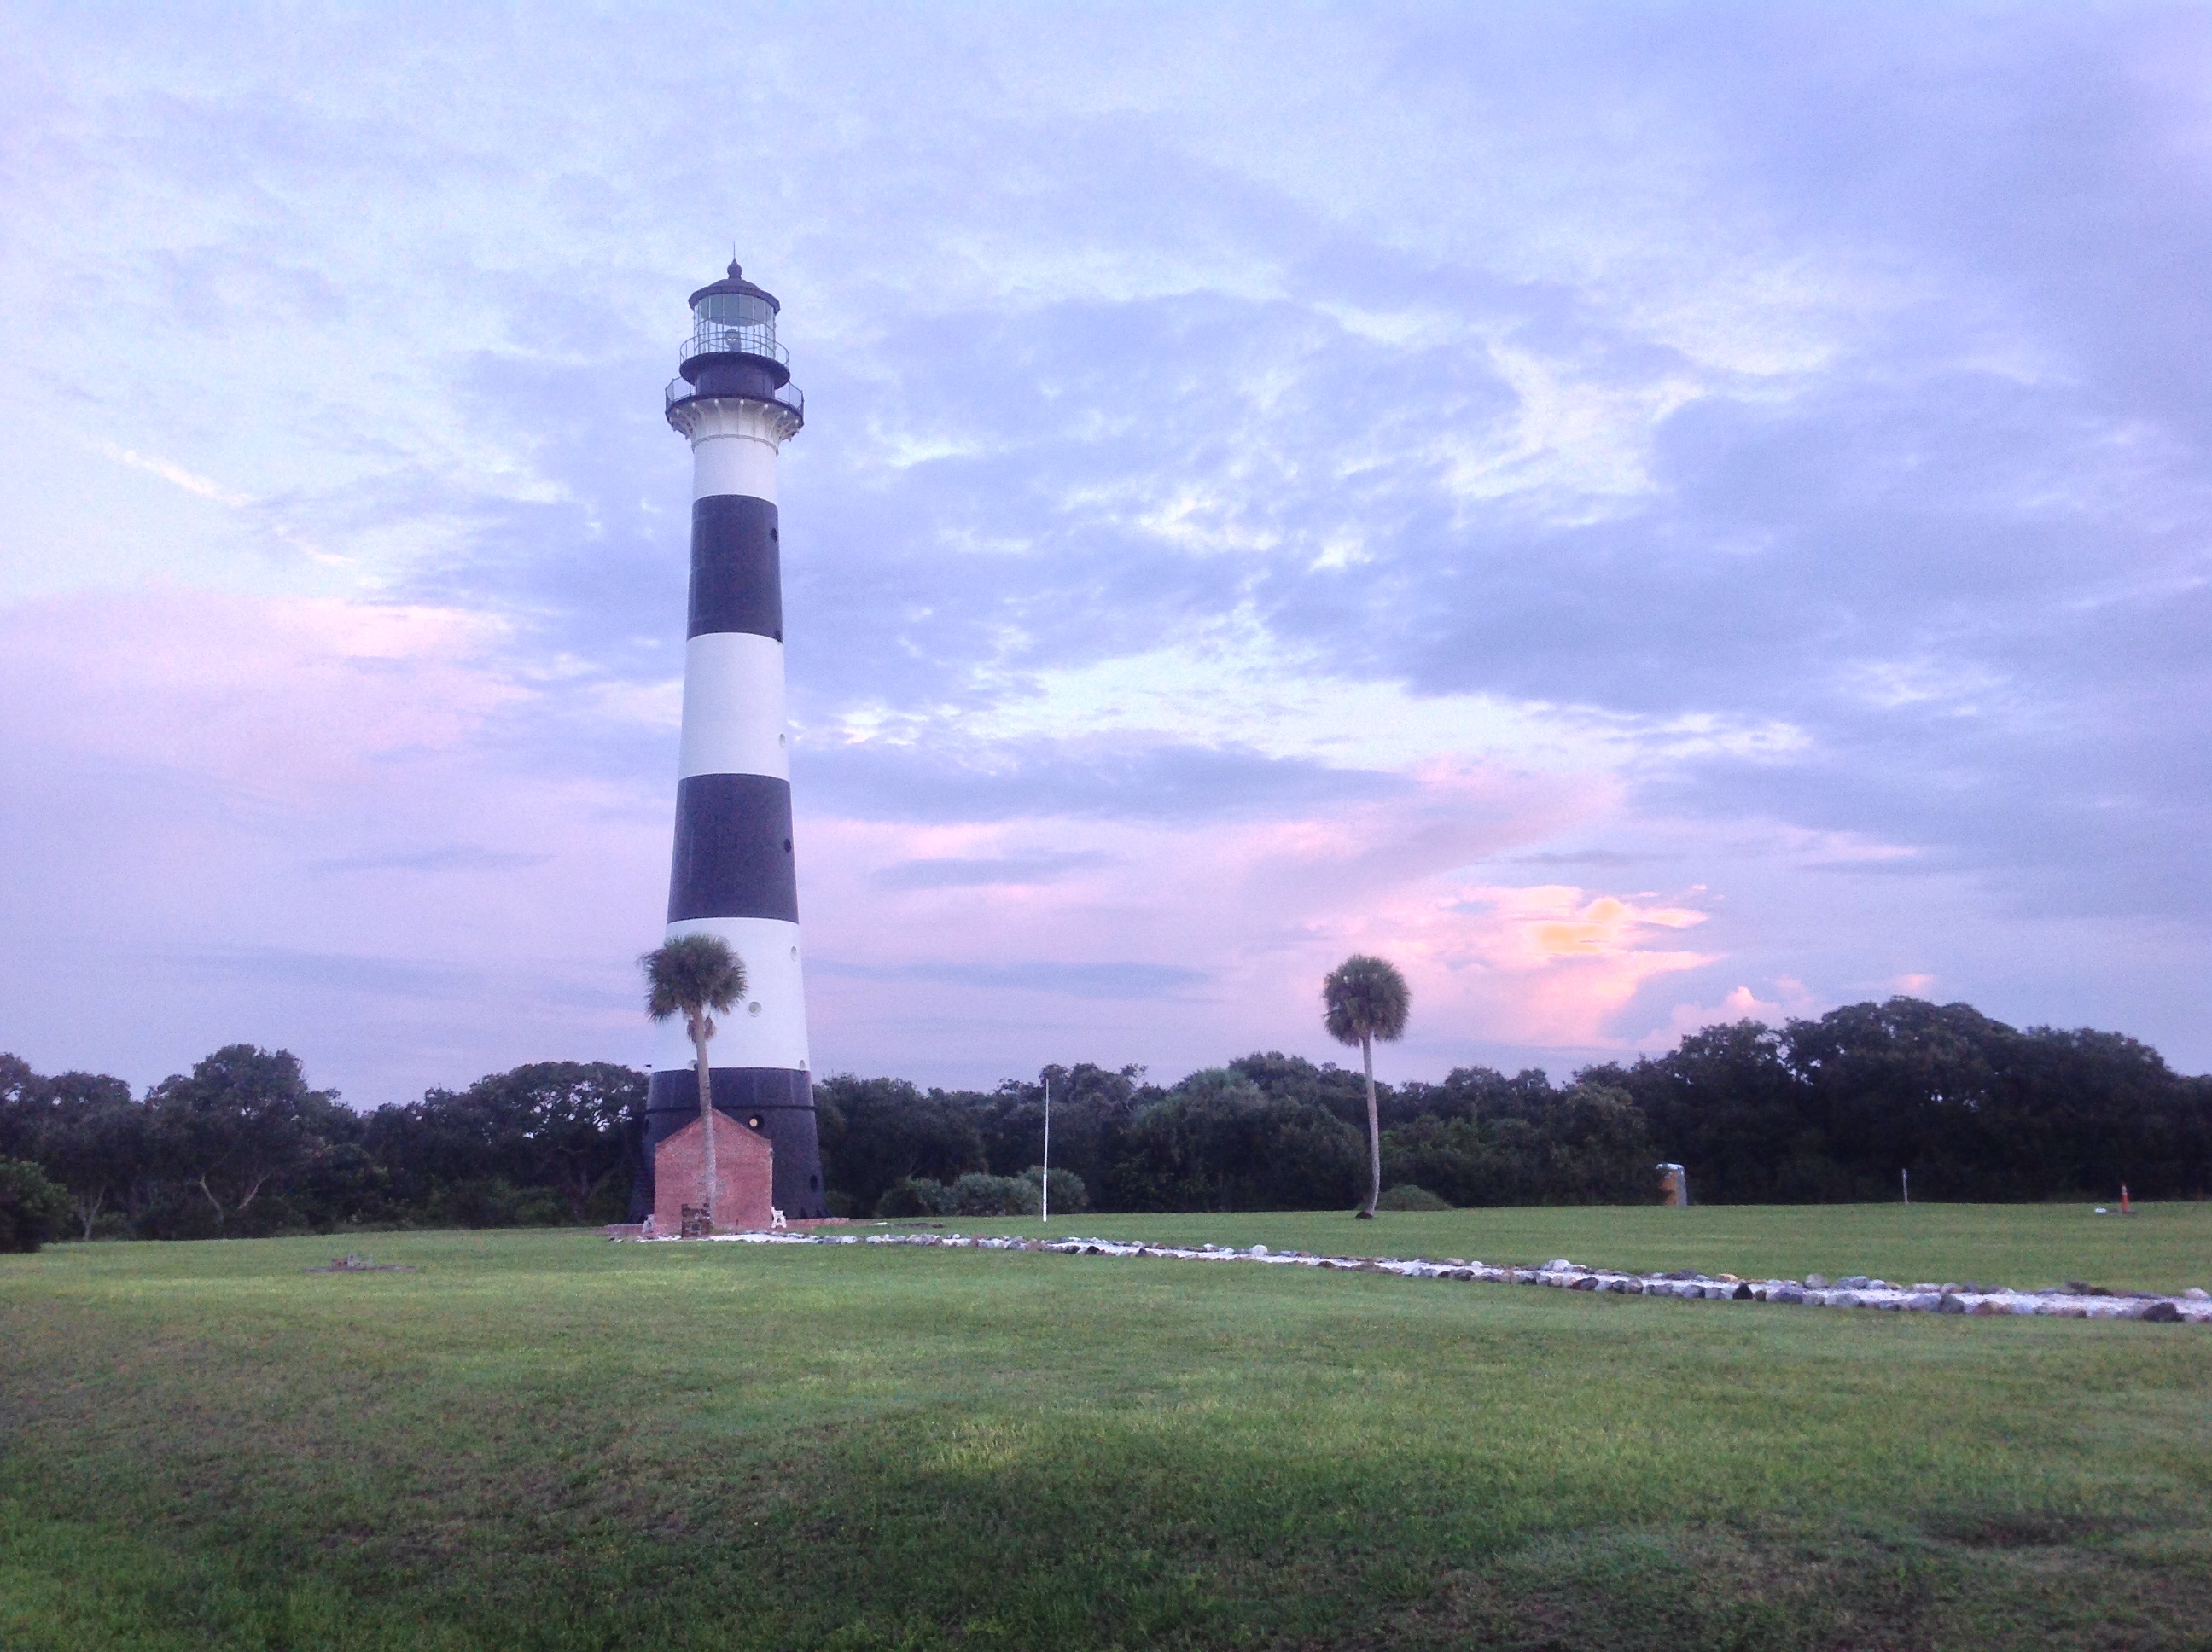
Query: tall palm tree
x: 1367, y: 999
x: 693, y: 975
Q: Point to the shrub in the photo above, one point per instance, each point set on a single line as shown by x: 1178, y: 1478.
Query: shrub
x: 1407, y: 1197
x: 1069, y: 1195
x: 495, y: 1202
x: 915, y: 1196
x: 30, y: 1207
x: 976, y: 1194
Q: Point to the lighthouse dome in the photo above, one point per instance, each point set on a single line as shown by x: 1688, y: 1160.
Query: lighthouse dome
x: 734, y: 299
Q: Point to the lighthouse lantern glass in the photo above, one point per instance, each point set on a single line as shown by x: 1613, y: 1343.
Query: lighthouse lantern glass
x: 736, y: 309
x: 739, y: 322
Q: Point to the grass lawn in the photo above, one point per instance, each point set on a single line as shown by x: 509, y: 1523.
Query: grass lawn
x: 541, y: 1440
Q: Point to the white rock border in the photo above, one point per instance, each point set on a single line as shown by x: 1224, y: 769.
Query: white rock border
x: 2193, y: 1307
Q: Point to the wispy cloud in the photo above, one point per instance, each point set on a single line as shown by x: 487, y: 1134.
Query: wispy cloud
x: 1108, y: 981
x: 177, y: 474
x: 959, y: 873
x: 459, y: 858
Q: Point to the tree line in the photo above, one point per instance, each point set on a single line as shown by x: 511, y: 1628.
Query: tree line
x: 243, y: 1145
x: 1819, y: 1111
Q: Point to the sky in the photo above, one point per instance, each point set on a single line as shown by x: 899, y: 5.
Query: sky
x: 1644, y: 515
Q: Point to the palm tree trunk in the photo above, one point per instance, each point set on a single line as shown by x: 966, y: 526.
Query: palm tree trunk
x: 706, y: 1116
x: 1374, y: 1130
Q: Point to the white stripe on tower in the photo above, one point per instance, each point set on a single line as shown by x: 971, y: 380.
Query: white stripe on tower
x: 733, y: 448
x: 733, y: 707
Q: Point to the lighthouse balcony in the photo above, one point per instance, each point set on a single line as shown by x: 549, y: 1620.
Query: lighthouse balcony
x: 714, y: 384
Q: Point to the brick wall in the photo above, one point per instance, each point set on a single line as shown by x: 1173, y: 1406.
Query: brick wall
x: 745, y: 1160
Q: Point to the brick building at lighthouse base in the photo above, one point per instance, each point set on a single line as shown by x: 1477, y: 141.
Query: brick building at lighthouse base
x: 744, y: 1202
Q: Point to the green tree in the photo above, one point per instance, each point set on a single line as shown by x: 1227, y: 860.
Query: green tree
x: 1366, y: 998
x: 30, y: 1205
x: 695, y: 976
x: 244, y: 1119
x: 93, y: 1139
x: 20, y: 1097
x: 878, y: 1132
x: 1218, y: 1142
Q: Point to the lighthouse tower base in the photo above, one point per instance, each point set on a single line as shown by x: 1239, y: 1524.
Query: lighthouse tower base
x: 776, y: 1103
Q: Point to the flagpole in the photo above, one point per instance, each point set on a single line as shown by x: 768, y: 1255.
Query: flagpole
x: 1044, y: 1181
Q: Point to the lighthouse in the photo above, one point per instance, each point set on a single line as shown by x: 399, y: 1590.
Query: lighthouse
x: 734, y: 873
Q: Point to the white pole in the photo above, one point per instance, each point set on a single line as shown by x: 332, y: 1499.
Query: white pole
x: 1905, y: 1177
x: 1044, y: 1182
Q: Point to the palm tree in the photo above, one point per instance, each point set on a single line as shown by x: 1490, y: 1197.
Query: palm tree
x: 1367, y: 1000
x: 690, y: 976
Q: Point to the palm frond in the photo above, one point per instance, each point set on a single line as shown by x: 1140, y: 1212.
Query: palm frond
x: 1365, y: 997
x: 691, y: 974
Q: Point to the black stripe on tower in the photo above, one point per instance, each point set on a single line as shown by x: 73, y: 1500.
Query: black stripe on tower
x: 782, y: 1099
x: 733, y: 855
x: 737, y: 575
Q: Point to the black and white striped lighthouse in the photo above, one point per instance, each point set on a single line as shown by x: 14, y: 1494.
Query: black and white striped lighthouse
x: 734, y: 872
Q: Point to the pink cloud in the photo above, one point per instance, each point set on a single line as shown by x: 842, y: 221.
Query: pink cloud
x: 1263, y: 909
x: 1791, y: 999
x: 293, y: 821
x: 283, y: 696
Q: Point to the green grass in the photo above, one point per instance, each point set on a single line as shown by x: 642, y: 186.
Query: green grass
x: 544, y: 1440
x: 2160, y: 1248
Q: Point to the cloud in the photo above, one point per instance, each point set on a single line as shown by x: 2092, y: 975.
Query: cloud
x: 1265, y: 491
x: 1791, y: 1000
x: 1268, y: 904
x: 270, y: 695
x: 240, y: 789
x: 1113, y: 981
x: 1593, y: 857
x: 459, y: 858
x: 959, y: 873
x: 177, y: 474
x: 1106, y: 778
x: 368, y: 977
